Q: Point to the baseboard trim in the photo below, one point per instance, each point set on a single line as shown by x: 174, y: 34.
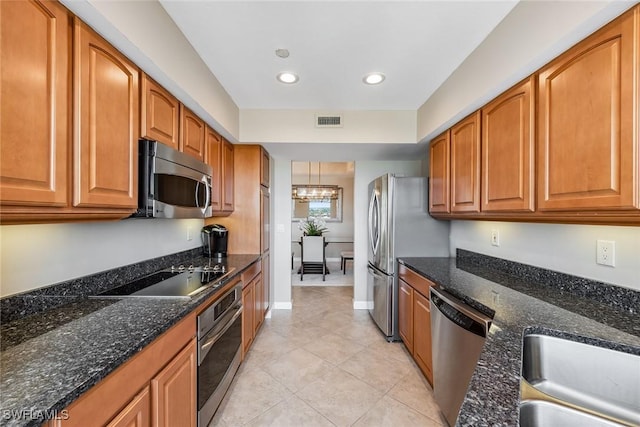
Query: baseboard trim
x: 360, y: 305
x: 328, y: 285
x: 282, y: 305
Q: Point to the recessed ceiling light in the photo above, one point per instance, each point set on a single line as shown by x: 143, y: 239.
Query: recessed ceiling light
x: 373, y: 78
x: 282, y: 53
x: 287, y: 77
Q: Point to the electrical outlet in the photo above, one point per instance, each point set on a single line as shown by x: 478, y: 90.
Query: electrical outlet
x: 606, y: 252
x: 495, y: 296
x: 495, y: 237
x: 189, y: 233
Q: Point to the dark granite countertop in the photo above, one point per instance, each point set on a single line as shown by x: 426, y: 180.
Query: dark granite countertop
x: 50, y: 358
x: 525, y: 303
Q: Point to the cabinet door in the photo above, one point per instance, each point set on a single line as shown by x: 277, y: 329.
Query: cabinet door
x: 34, y: 105
x: 258, y: 313
x: 266, y: 283
x: 192, y: 133
x: 136, y: 413
x: 214, y: 158
x: 588, y: 114
x: 264, y: 168
x: 248, y: 304
x: 174, y: 391
x: 405, y: 314
x: 439, y: 177
x: 422, y: 334
x: 107, y: 126
x: 160, y: 113
x: 264, y: 219
x: 227, y: 176
x: 465, y: 165
x: 508, y: 150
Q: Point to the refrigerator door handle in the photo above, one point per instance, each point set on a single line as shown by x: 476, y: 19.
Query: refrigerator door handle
x: 374, y: 272
x: 374, y: 223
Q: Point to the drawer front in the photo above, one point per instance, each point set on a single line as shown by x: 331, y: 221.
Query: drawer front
x: 251, y: 272
x: 417, y: 282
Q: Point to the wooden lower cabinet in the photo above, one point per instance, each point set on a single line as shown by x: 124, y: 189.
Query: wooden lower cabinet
x: 155, y: 387
x: 405, y: 314
x: 252, y: 303
x: 174, y: 391
x: 136, y: 414
x: 258, y: 314
x: 248, y: 303
x: 415, y: 318
x: 422, y: 334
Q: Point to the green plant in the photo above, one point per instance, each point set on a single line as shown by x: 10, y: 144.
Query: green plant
x: 313, y: 226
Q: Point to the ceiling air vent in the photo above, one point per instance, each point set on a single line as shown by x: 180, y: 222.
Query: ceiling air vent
x: 329, y: 121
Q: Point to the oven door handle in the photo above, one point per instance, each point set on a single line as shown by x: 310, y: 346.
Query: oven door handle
x: 208, y: 341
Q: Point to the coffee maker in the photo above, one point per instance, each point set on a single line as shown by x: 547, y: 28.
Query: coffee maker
x: 214, y: 240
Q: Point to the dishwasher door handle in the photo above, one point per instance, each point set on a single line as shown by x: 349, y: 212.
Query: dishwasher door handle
x: 460, y: 313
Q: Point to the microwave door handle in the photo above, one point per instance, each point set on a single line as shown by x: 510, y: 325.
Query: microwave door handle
x: 196, y: 195
x: 208, y: 194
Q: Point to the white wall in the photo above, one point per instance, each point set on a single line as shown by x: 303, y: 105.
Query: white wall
x: 298, y: 126
x: 335, y: 229
x: 33, y: 256
x: 566, y: 248
x: 281, y: 222
x: 367, y: 171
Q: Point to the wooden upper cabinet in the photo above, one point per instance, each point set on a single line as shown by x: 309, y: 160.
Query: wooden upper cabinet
x: 587, y: 117
x: 508, y: 144
x: 35, y: 83
x: 214, y: 159
x: 465, y: 165
x: 106, y: 110
x: 220, y: 158
x: 265, y: 169
x: 159, y: 114
x: 192, y: 133
x: 439, y: 181
x: 227, y: 176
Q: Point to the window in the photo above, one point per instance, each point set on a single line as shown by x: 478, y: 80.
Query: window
x: 327, y: 210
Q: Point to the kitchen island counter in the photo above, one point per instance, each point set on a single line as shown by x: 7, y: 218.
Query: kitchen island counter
x: 527, y: 302
x: 50, y: 358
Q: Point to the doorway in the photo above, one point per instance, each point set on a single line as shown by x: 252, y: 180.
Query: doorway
x: 322, y: 193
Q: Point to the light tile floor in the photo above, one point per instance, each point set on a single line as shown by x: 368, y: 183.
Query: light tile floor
x: 325, y: 364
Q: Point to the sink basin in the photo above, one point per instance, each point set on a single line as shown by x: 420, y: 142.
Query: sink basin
x: 538, y: 413
x: 586, y: 377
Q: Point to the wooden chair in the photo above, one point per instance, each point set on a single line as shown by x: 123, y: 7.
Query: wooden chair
x: 344, y: 257
x: 313, y: 257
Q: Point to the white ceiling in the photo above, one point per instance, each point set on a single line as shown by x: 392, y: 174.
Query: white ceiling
x: 333, y: 44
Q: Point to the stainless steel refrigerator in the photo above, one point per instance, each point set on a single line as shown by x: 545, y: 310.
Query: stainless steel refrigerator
x: 399, y: 226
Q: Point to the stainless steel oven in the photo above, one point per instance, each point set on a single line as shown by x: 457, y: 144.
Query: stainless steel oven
x: 219, y: 351
x: 172, y: 184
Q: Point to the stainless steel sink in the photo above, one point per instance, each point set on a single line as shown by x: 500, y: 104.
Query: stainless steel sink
x: 536, y: 413
x: 588, y: 378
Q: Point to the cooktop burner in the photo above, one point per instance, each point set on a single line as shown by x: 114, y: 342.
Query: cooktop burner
x: 174, y: 282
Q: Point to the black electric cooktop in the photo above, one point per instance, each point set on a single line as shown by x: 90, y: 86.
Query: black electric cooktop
x: 176, y: 282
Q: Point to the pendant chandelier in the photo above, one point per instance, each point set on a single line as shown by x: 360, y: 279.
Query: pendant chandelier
x: 315, y: 192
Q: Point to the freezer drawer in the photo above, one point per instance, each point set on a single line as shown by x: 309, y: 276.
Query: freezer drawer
x: 382, y: 296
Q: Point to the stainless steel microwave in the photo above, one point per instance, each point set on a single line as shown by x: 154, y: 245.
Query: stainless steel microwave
x: 172, y: 184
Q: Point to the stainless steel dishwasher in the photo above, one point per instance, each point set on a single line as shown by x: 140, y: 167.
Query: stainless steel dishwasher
x: 458, y: 332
